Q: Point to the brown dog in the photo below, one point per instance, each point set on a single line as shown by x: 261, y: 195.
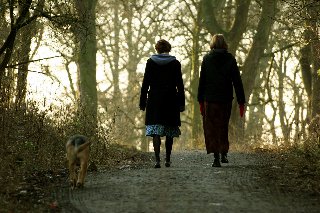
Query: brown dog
x: 77, y: 155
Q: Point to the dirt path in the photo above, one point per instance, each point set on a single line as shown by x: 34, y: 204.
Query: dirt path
x: 190, y: 185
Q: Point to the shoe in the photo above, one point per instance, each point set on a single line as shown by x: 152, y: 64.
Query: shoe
x: 157, y: 165
x: 167, y: 164
x: 216, y: 163
x: 224, y: 159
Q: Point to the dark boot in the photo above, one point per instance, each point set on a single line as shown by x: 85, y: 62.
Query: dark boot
x: 224, y: 158
x: 216, y: 161
x: 156, y: 147
x: 169, y: 143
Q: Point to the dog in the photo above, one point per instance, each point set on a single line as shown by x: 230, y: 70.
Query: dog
x: 77, y: 148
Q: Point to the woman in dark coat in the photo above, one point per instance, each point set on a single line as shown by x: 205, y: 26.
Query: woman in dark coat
x: 162, y: 95
x: 218, y: 76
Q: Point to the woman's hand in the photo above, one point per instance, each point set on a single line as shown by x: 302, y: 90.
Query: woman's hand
x: 201, y: 108
x: 182, y: 108
x: 241, y: 109
x: 142, y: 108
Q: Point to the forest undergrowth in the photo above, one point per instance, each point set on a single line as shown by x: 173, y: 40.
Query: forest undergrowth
x: 294, y: 167
x: 291, y: 169
x: 33, y: 160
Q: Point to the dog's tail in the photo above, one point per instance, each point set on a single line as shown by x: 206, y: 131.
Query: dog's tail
x: 82, y: 147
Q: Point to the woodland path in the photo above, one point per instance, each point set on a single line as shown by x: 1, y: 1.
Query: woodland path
x: 190, y: 185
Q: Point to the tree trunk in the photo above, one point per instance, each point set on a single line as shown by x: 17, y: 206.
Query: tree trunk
x: 144, y: 143
x: 260, y: 41
x: 310, y: 55
x: 239, y: 25
x: 115, y: 70
x: 315, y: 51
x: 305, y: 62
x: 297, y: 96
x: 250, y: 71
x: 282, y: 111
x: 315, y: 104
x: 195, y: 66
x: 26, y: 36
x: 86, y: 36
x: 234, y: 32
x: 7, y: 47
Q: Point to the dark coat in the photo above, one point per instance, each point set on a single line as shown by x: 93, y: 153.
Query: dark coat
x: 218, y: 76
x: 162, y: 93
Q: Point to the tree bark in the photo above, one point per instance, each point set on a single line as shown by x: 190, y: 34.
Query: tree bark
x: 305, y: 63
x: 259, y: 44
x: 7, y: 47
x: 26, y: 35
x: 195, y: 66
x: 116, y: 70
x: 239, y: 23
x: 310, y: 54
x: 315, y: 50
x: 282, y: 111
x: 86, y: 36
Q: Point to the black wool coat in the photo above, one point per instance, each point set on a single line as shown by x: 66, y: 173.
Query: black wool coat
x: 162, y: 93
x: 218, y: 76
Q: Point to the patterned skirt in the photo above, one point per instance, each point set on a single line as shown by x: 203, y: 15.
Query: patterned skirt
x: 162, y: 130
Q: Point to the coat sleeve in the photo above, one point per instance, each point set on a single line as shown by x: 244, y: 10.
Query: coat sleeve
x: 201, y: 83
x: 237, y: 83
x: 180, y: 87
x: 145, y: 87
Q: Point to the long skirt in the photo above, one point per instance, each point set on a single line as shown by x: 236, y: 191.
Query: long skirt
x: 215, y: 125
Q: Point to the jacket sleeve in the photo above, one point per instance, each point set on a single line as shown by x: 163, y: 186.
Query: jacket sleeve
x: 180, y: 87
x: 237, y: 83
x: 201, y: 83
x: 145, y: 87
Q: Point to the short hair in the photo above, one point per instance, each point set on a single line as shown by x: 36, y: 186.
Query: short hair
x: 163, y: 46
x: 218, y: 42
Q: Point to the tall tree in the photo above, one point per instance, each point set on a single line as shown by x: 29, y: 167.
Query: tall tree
x: 195, y: 66
x: 192, y: 30
x: 259, y: 44
x: 22, y: 15
x: 234, y: 30
x: 306, y: 18
x: 7, y: 48
x: 86, y: 38
x: 313, y: 26
x: 25, y: 39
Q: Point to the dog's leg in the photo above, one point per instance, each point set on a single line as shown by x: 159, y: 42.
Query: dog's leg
x: 71, y: 163
x: 82, y: 173
x: 72, y: 173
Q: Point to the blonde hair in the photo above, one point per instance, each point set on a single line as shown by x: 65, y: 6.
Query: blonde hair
x: 218, y: 42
